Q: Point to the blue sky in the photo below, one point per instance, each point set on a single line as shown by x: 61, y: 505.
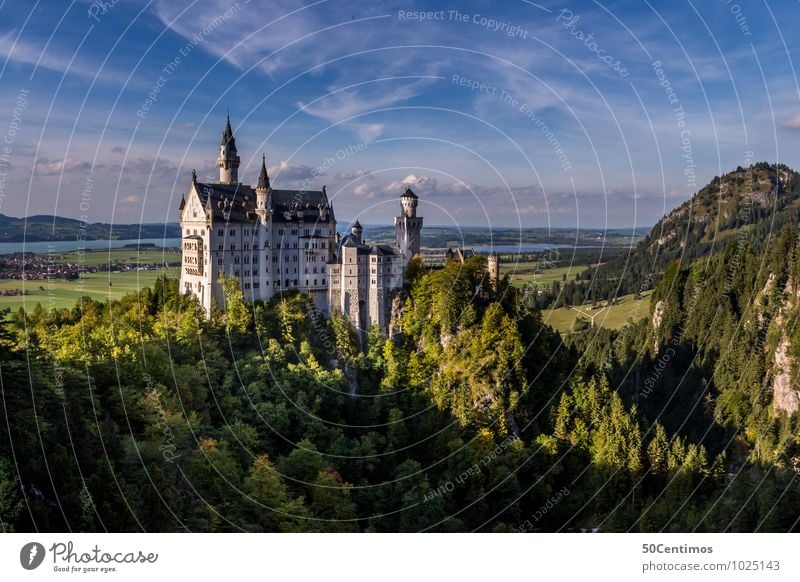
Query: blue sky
x: 560, y: 114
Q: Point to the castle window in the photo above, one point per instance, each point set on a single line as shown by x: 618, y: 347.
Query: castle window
x: 280, y: 232
x: 247, y: 273
x: 295, y: 282
x: 294, y: 232
x: 222, y: 247
x: 236, y: 273
x: 235, y: 260
x: 233, y: 247
x: 232, y: 232
x: 306, y: 245
x: 256, y: 285
x: 255, y: 259
x: 246, y: 260
x: 188, y: 232
x: 295, y: 245
x: 247, y: 285
x: 195, y: 232
x: 323, y: 281
x: 315, y: 281
x: 306, y: 282
x: 219, y: 260
x: 255, y: 272
x: 266, y: 244
x: 221, y: 232
x: 305, y: 232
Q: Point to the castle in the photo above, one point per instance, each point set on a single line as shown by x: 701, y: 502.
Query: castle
x: 278, y: 240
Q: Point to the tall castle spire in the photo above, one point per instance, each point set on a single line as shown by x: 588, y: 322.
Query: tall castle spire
x: 228, y: 160
x: 263, y: 191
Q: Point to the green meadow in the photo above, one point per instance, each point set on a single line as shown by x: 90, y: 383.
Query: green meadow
x: 59, y: 293
x: 627, y: 309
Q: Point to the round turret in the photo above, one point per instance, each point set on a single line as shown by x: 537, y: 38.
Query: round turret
x: 408, y: 202
x: 357, y: 230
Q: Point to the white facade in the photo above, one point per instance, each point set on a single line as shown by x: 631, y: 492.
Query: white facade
x: 278, y: 240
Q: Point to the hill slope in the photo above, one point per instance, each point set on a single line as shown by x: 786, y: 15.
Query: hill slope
x: 56, y: 228
x: 750, y: 204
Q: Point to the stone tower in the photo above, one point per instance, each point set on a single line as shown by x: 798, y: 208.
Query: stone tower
x: 228, y: 160
x: 263, y: 190
x: 494, y: 268
x: 408, y: 226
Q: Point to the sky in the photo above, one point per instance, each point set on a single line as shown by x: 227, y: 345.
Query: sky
x: 575, y: 114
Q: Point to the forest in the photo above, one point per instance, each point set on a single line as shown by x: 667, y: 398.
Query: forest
x: 142, y: 415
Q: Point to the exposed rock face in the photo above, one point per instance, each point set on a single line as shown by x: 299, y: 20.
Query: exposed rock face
x: 658, y: 314
x: 396, y: 316
x: 784, y: 396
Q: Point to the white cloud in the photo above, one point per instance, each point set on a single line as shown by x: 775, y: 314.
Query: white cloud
x: 792, y: 122
x: 45, y: 167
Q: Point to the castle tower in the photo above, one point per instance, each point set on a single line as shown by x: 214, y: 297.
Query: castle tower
x: 408, y: 226
x: 357, y: 230
x: 263, y: 191
x: 494, y: 268
x: 228, y: 160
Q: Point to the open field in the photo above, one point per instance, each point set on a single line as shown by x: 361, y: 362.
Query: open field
x: 523, y: 273
x: 65, y: 293
x: 615, y: 317
x: 149, y: 256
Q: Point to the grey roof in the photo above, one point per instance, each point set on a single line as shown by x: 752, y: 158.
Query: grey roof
x: 263, y: 178
x: 237, y: 203
x: 228, y: 202
x: 227, y: 136
x: 409, y: 193
x: 384, y: 250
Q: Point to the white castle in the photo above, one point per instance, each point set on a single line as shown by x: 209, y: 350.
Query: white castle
x: 278, y: 240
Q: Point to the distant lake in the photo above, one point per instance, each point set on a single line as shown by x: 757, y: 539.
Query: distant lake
x: 63, y: 246
x: 528, y: 248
